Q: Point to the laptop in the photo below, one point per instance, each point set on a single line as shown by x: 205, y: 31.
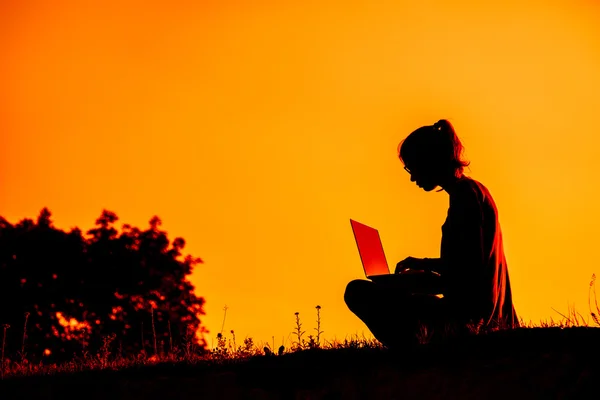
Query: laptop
x: 370, y: 250
x: 376, y: 266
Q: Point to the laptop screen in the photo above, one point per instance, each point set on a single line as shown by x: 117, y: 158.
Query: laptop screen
x: 370, y: 249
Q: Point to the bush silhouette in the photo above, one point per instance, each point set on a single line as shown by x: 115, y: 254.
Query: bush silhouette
x: 63, y: 294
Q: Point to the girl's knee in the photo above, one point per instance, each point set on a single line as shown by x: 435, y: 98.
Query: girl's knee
x: 356, y: 290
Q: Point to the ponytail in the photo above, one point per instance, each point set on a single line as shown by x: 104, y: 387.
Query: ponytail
x: 451, y: 145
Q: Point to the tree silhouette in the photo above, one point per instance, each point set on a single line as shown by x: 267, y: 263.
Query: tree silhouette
x: 74, y: 292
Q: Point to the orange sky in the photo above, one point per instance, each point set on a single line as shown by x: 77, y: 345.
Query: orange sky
x: 255, y: 130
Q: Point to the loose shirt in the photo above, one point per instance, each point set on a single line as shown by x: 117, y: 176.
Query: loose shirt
x: 473, y: 264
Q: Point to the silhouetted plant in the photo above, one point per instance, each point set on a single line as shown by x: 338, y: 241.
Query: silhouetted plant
x: 23, y: 354
x: 221, y: 351
x: 318, y: 328
x: 4, y: 329
x: 595, y: 315
x: 299, y: 344
x: 267, y: 351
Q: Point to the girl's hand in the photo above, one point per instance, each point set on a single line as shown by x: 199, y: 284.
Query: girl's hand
x: 410, y: 265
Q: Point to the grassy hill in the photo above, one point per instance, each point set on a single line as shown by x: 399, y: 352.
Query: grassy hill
x: 527, y: 363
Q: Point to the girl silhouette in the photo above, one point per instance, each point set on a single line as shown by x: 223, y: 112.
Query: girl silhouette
x: 471, y: 273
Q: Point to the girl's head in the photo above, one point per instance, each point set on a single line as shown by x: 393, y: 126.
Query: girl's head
x: 432, y: 155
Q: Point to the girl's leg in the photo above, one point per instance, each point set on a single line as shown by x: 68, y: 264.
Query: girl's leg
x: 390, y: 315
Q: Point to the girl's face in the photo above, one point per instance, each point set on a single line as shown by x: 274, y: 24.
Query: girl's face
x: 424, y: 176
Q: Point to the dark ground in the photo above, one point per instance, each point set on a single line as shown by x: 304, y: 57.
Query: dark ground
x: 528, y: 363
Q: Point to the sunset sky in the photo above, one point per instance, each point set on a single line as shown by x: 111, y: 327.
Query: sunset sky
x: 255, y: 130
